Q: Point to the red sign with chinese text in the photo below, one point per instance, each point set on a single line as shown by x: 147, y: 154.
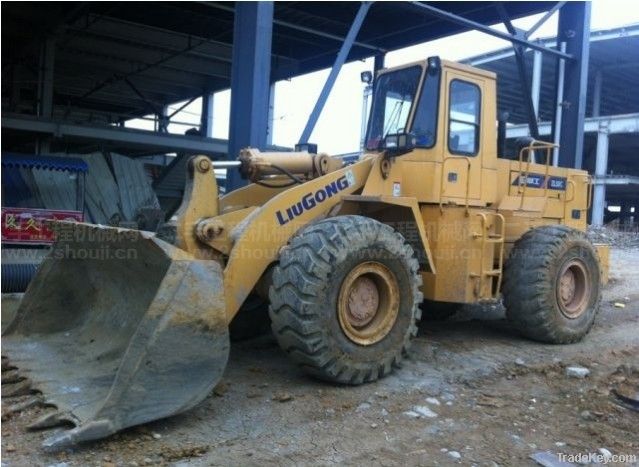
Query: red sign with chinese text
x: 26, y: 225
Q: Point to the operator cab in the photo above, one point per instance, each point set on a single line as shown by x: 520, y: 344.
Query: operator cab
x: 399, y: 112
x: 436, y: 119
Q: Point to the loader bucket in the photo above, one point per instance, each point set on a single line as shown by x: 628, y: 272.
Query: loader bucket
x: 116, y: 329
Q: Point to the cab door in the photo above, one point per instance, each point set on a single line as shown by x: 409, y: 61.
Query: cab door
x: 462, y: 153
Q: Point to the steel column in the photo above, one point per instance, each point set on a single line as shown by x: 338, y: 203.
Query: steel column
x: 574, y: 29
x: 206, y: 120
x: 271, y: 115
x: 47, y: 61
x: 596, y: 95
x: 601, y: 169
x: 525, y: 91
x: 559, y: 105
x: 624, y: 214
x: 536, y: 81
x: 250, y: 80
x: 520, y: 58
x: 45, y: 89
x: 337, y: 66
x: 163, y: 120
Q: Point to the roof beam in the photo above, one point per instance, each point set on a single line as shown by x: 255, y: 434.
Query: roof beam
x: 114, y: 66
x: 337, y: 66
x: 297, y: 27
x: 431, y: 10
x: 154, y: 36
x: 616, y: 124
x: 147, y: 140
x: 544, y: 18
x: 145, y: 55
x: 68, y: 79
x: 137, y: 33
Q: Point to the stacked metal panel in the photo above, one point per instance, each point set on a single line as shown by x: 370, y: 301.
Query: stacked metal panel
x: 134, y: 186
x: 116, y: 187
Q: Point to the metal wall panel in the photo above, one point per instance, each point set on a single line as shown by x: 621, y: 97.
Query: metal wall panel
x: 134, y: 186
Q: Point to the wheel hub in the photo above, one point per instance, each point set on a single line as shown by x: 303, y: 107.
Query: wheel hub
x: 363, y: 301
x: 573, y: 288
x: 368, y: 303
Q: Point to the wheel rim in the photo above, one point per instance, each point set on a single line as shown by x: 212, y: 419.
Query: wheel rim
x: 368, y: 303
x: 573, y: 288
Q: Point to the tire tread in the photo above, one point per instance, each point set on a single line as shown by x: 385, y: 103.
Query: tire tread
x: 298, y: 288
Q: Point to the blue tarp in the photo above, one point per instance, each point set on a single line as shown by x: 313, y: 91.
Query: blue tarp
x: 70, y: 164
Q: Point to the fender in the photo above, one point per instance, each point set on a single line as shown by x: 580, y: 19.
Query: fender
x: 370, y: 205
x: 258, y: 238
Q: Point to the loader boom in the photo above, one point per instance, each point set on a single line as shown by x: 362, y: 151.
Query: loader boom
x: 258, y: 237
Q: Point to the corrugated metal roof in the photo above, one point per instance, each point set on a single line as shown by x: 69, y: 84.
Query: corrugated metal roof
x: 173, y: 51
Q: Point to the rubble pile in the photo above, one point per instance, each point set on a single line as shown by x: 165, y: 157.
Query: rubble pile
x: 614, y: 237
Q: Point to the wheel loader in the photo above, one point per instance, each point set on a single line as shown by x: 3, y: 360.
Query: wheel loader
x: 121, y: 327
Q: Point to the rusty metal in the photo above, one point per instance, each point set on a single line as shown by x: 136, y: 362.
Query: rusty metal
x: 573, y: 288
x: 368, y: 303
x: 363, y: 301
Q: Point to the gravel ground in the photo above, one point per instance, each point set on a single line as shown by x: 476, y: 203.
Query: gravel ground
x: 473, y: 392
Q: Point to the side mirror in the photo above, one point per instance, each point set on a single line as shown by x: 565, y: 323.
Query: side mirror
x: 398, y: 144
x: 366, y: 77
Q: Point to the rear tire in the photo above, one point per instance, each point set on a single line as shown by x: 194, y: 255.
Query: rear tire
x: 344, y: 299
x: 552, y: 285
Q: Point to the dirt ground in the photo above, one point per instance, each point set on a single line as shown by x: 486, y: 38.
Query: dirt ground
x: 473, y: 392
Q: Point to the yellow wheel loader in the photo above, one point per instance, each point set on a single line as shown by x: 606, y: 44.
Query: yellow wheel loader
x: 122, y: 327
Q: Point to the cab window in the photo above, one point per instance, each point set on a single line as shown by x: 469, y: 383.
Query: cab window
x: 463, y: 118
x: 393, y: 100
x: 424, y: 128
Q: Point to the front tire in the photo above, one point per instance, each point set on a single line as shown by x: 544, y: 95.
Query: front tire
x: 344, y: 299
x: 552, y: 285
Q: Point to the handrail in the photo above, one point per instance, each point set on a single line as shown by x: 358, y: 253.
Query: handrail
x: 534, y: 146
x: 484, y: 221
x: 441, y: 183
x: 589, y: 181
x: 569, y: 183
x: 574, y: 190
x: 502, y: 219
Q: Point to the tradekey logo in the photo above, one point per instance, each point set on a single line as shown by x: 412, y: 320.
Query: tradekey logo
x: 312, y: 199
